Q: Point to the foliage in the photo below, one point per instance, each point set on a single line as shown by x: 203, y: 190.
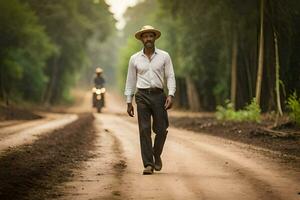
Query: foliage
x: 293, y: 104
x: 250, y: 113
x: 126, y: 52
x: 79, y: 21
x: 24, y: 50
x: 44, y: 45
x: 136, y: 17
x: 104, y: 55
x: 200, y: 39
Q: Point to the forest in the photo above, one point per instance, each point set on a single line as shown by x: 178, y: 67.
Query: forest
x: 231, y: 131
x: 221, y: 49
x: 225, y: 49
x: 45, y: 46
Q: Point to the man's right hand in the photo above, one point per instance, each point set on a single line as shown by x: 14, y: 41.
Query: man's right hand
x: 130, y: 109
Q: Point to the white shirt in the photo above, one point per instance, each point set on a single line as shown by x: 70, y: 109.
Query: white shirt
x: 145, y: 73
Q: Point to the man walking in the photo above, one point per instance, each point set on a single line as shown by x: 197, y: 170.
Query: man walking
x: 147, y: 71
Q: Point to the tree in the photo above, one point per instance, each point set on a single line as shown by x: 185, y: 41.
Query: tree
x: 215, y: 42
x: 135, y: 17
x: 261, y: 54
x: 24, y: 49
x: 279, y: 109
x: 78, y: 22
x: 234, y: 70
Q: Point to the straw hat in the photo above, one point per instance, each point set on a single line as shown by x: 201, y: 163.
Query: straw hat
x: 98, y: 70
x: 145, y: 29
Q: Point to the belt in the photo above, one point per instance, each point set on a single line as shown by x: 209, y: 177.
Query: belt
x: 151, y: 90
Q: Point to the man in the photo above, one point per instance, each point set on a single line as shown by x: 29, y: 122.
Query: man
x: 98, y: 83
x: 99, y: 80
x: 146, y: 71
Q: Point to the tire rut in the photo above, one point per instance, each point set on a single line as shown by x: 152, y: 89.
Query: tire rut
x: 119, y: 167
x: 265, y: 189
x: 102, y: 176
x: 33, y: 171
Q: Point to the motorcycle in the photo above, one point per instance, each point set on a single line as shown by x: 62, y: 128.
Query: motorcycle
x: 98, y: 98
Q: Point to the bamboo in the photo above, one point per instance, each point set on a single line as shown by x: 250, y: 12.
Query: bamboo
x: 277, y: 89
x: 234, y: 70
x: 261, y: 55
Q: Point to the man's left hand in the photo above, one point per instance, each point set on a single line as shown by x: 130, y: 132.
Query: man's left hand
x: 169, y: 102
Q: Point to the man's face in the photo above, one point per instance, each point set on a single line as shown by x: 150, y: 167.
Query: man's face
x: 148, y: 39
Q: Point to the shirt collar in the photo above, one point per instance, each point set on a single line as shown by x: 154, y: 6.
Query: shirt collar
x: 155, y: 51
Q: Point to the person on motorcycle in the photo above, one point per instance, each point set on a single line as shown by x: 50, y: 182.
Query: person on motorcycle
x: 99, y: 80
x: 98, y: 83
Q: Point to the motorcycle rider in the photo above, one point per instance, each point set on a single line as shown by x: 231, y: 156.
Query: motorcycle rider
x: 98, y: 83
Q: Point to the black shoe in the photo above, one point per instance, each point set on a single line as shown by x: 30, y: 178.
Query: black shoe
x: 148, y: 170
x: 158, y: 164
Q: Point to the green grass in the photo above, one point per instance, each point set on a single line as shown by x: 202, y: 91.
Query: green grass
x: 250, y: 113
x: 293, y: 104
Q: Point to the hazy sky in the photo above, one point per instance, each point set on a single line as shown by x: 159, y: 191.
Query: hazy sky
x: 118, y: 7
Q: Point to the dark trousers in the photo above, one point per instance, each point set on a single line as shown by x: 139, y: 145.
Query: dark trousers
x: 151, y: 104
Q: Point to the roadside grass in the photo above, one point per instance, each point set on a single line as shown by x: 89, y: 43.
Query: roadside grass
x: 293, y: 104
x: 250, y: 113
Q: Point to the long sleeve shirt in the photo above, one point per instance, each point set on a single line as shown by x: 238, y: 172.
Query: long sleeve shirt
x: 149, y: 73
x: 99, y: 81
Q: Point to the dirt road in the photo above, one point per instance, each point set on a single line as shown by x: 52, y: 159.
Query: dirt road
x: 195, y: 167
x: 104, y: 162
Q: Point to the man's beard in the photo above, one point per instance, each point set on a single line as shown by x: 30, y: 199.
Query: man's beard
x: 149, y: 44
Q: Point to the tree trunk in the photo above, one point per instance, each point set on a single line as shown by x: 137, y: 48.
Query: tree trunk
x: 234, y: 70
x: 261, y: 54
x: 49, y: 92
x: 192, y: 94
x: 2, y: 92
x: 181, y: 99
x: 277, y: 74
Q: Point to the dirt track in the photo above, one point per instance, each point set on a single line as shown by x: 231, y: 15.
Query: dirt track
x: 100, y: 159
x: 195, y: 167
x: 32, y: 170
